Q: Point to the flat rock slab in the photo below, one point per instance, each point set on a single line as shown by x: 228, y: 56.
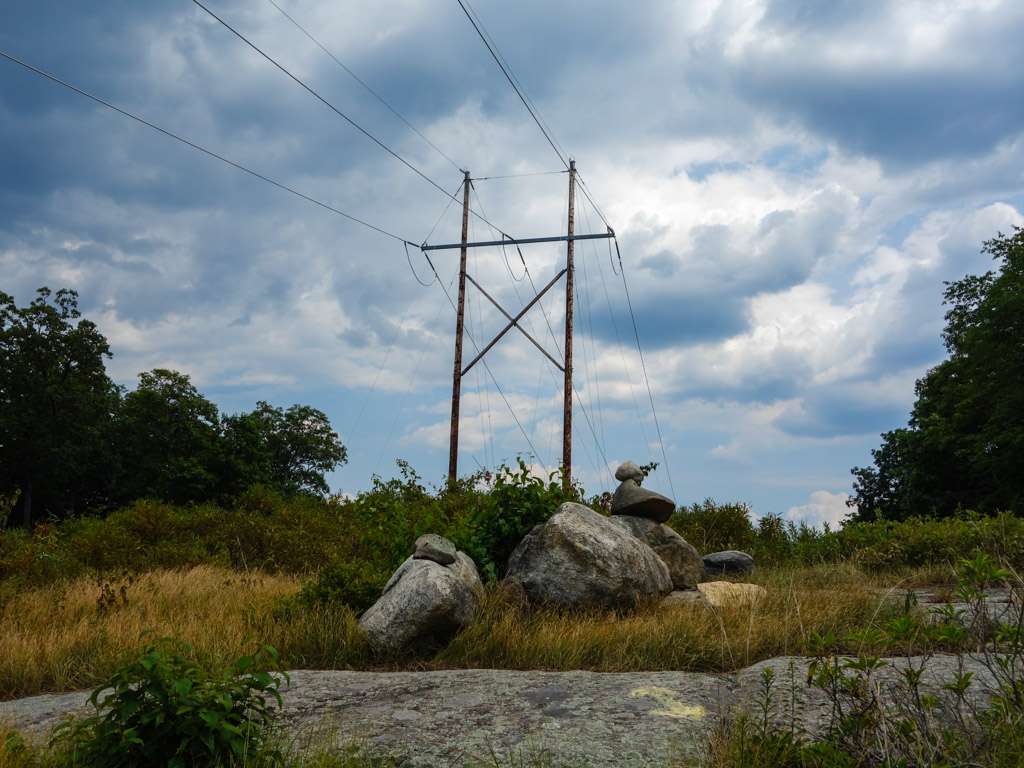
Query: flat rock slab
x: 457, y: 717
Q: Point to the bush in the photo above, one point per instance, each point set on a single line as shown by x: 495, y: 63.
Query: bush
x: 356, y: 584
x: 516, y: 503
x: 163, y: 709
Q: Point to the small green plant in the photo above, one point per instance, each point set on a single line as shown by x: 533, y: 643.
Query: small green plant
x: 163, y: 709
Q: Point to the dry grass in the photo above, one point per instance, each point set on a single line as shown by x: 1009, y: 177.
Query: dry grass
x: 73, y: 635
x: 508, y: 635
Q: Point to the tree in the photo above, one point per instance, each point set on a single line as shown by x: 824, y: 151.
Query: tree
x: 56, y: 402
x: 964, y: 445
x: 288, y: 450
x: 170, y: 440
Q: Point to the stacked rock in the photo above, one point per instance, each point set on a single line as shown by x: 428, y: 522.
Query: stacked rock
x: 426, y: 601
x: 643, y: 512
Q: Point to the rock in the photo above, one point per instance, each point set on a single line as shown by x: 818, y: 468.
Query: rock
x: 682, y: 559
x: 683, y: 598
x: 580, y: 559
x: 430, y: 546
x: 631, y: 499
x: 423, y: 605
x: 629, y: 471
x: 730, y: 561
x: 725, y: 594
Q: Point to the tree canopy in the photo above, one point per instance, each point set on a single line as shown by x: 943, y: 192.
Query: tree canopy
x: 71, y: 440
x: 964, y: 444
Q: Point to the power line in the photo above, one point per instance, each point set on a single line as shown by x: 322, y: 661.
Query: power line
x: 363, y: 83
x: 330, y: 106
x: 643, y: 367
x: 517, y: 175
x: 204, y: 150
x: 511, y: 82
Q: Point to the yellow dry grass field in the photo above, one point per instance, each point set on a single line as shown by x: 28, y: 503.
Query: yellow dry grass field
x: 73, y: 634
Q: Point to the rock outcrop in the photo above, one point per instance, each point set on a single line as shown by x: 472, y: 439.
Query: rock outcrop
x: 581, y: 559
x: 730, y: 561
x: 423, y: 604
x: 681, y: 558
x: 430, y: 546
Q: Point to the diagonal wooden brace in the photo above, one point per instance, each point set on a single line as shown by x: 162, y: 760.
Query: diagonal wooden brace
x: 513, y: 322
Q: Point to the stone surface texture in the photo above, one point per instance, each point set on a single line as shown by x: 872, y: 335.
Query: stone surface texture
x: 578, y: 719
x: 684, y: 562
x: 725, y: 594
x: 729, y: 561
x: 581, y: 559
x: 430, y: 546
x: 631, y: 499
x: 423, y: 605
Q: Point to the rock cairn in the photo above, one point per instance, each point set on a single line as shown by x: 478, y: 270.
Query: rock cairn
x: 635, y: 501
x: 426, y: 601
x: 643, y: 513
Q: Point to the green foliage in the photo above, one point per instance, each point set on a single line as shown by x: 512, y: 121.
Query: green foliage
x: 964, y: 445
x: 170, y: 435
x: 164, y: 710
x: 356, y: 584
x: 518, y: 500
x: 288, y: 450
x: 55, y: 405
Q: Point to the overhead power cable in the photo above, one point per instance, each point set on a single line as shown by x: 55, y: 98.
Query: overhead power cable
x: 643, y: 367
x: 200, y: 148
x: 330, y: 106
x: 518, y: 175
x: 363, y: 83
x: 505, y: 71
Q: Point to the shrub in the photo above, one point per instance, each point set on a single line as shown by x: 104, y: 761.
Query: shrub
x: 517, y: 502
x: 164, y: 709
x: 356, y: 584
x: 712, y: 527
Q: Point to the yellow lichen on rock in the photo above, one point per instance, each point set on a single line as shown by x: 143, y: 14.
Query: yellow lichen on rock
x: 671, y: 706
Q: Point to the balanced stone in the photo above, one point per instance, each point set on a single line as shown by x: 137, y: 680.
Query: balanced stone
x: 430, y: 546
x: 423, y: 606
x: 631, y: 499
x: 628, y: 470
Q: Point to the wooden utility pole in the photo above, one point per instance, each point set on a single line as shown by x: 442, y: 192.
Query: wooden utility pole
x: 567, y: 396
x: 453, y: 449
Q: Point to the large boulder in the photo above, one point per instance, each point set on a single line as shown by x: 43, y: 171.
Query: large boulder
x: 581, y: 559
x: 730, y: 561
x: 682, y: 559
x: 423, y: 605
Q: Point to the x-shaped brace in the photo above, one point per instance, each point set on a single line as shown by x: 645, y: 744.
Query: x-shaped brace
x: 514, y: 322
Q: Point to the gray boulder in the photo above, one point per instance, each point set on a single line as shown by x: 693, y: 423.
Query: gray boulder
x: 631, y: 499
x: 685, y: 598
x: 581, y: 559
x: 682, y: 559
x: 423, y: 605
x: 430, y: 546
x: 729, y: 561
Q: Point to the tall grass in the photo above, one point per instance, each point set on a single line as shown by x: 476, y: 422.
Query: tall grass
x: 71, y: 635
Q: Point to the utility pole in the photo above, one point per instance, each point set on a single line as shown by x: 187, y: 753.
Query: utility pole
x: 453, y: 449
x: 567, y: 396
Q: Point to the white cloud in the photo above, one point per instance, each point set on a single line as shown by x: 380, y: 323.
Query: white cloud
x: 822, y: 507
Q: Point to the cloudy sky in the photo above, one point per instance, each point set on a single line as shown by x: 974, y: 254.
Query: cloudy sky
x: 791, y: 182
